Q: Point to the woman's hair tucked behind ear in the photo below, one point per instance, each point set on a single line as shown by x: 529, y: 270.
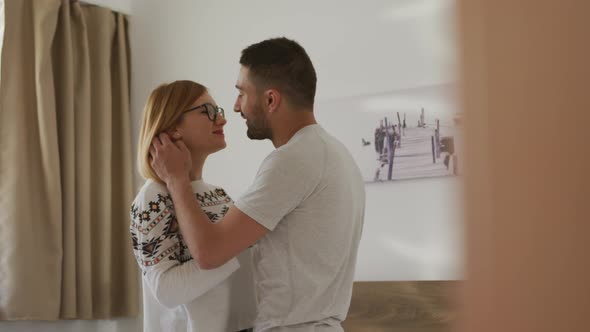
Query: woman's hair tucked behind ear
x: 163, y: 109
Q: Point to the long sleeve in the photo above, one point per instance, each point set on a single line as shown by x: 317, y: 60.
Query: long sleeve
x: 164, y: 259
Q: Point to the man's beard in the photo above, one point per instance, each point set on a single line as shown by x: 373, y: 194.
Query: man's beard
x: 258, y: 128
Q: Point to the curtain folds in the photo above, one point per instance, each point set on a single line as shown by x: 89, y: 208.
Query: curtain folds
x: 65, y: 163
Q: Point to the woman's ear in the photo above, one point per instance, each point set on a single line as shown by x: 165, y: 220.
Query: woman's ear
x: 174, y: 134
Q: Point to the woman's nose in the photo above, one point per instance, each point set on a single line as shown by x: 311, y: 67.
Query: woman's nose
x: 220, y: 120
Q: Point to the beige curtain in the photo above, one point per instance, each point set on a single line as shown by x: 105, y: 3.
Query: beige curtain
x: 65, y: 163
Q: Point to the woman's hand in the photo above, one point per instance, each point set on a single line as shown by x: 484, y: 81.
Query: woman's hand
x: 170, y: 160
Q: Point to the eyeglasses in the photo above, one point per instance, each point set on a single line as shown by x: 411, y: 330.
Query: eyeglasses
x: 210, y: 109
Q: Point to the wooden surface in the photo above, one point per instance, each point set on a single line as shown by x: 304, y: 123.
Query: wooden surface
x: 396, y: 306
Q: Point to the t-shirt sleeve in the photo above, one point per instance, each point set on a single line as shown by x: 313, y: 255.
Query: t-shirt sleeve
x: 159, y: 252
x: 281, y: 185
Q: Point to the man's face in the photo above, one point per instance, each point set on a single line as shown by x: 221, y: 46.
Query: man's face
x: 249, y: 105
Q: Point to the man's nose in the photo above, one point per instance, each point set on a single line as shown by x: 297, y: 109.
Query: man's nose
x: 237, y: 108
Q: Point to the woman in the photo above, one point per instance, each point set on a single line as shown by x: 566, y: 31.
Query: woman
x: 221, y: 299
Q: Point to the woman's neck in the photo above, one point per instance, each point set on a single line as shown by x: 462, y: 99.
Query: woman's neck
x: 198, y: 163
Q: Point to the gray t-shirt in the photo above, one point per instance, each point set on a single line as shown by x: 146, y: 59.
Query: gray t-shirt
x: 310, y: 194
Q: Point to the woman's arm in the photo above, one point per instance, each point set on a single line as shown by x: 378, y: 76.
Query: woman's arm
x: 158, y: 248
x: 174, y: 284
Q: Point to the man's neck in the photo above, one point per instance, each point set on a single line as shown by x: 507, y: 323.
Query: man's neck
x: 284, y: 134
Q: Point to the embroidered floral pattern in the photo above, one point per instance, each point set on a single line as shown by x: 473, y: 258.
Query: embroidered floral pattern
x: 155, y: 232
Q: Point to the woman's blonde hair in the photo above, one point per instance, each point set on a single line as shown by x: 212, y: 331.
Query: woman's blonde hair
x: 162, y: 111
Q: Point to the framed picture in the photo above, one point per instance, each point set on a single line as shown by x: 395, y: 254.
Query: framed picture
x: 403, y: 134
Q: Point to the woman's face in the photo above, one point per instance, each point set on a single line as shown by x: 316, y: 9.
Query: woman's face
x: 201, y: 135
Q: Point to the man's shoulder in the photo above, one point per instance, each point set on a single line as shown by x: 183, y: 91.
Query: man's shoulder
x: 305, y: 148
x: 294, y: 160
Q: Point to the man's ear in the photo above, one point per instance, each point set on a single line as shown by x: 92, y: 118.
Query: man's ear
x: 272, y: 99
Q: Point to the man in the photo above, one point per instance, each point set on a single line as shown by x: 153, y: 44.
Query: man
x: 305, y: 209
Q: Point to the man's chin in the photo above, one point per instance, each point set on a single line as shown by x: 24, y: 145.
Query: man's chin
x: 256, y: 138
x: 256, y: 135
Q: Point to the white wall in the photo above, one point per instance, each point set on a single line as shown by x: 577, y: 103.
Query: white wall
x: 412, y: 229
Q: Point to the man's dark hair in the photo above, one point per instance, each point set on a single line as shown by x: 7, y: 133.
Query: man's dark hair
x: 283, y: 64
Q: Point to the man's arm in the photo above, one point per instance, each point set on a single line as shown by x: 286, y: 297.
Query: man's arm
x: 211, y: 245
x: 172, y: 283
